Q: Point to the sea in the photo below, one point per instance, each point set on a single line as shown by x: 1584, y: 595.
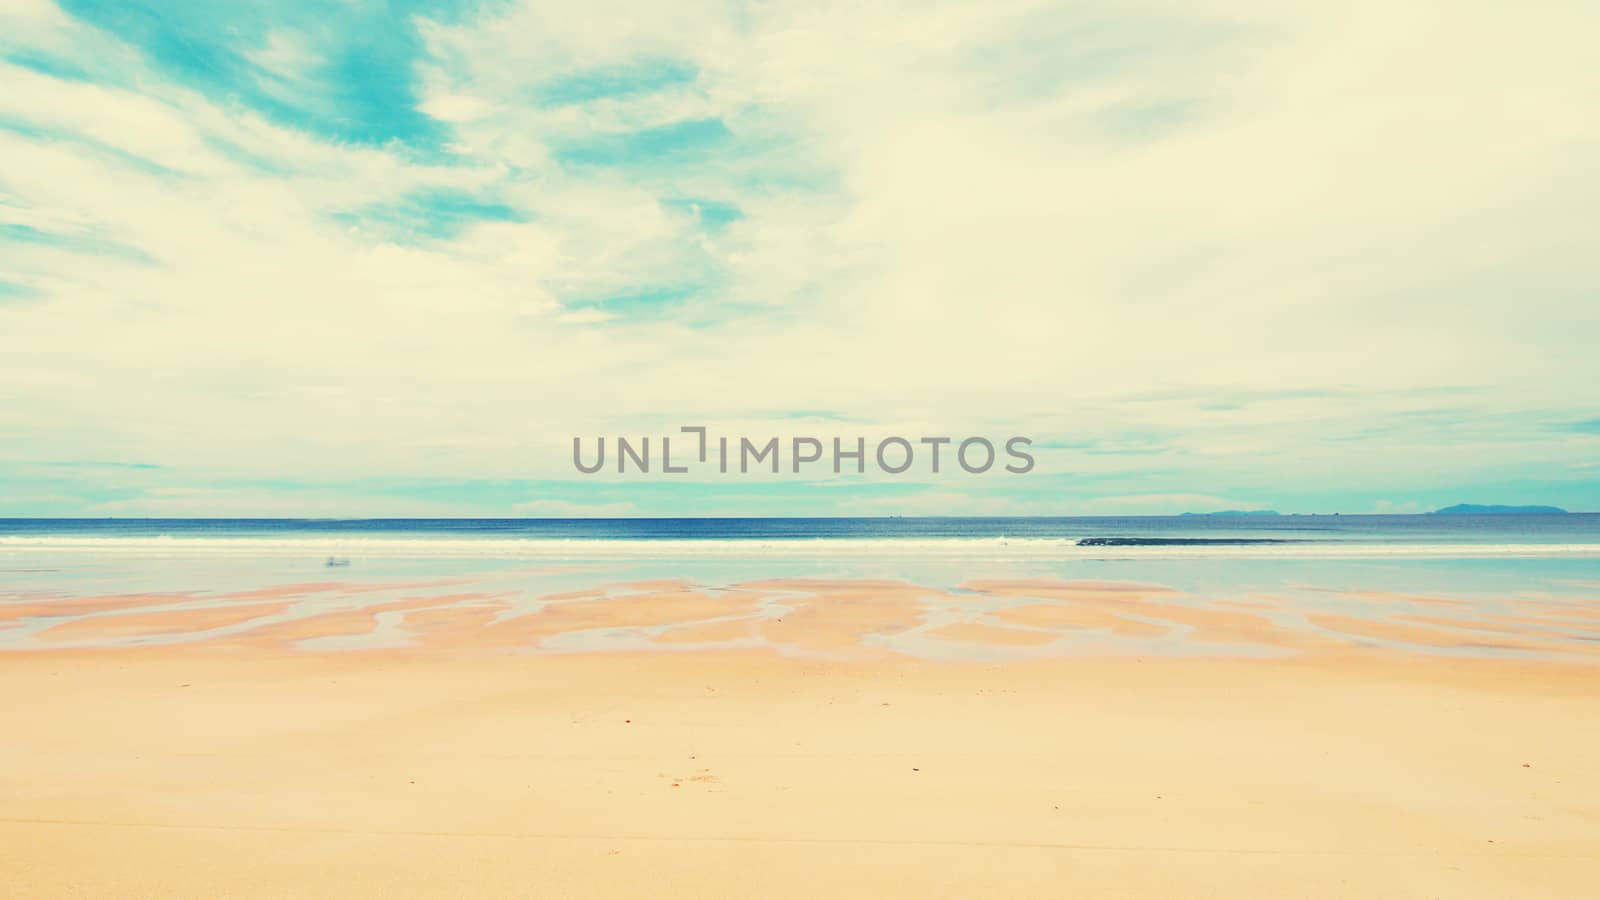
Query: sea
x: 1486, y: 565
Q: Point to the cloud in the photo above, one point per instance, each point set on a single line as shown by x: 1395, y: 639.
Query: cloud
x: 439, y: 240
x: 566, y: 509
x: 246, y: 502
x: 1397, y: 507
x: 1167, y: 504
x: 936, y: 502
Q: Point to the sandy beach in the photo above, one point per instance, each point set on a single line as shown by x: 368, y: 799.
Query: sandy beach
x: 238, y: 769
x: 771, y: 450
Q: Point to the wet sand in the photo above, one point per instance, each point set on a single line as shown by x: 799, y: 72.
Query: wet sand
x: 764, y: 739
x: 811, y: 617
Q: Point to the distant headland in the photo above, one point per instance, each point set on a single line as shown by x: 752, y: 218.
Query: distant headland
x: 1473, y: 509
x: 1460, y: 509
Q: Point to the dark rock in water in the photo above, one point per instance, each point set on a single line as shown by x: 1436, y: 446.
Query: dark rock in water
x: 1177, y: 542
x: 1473, y: 509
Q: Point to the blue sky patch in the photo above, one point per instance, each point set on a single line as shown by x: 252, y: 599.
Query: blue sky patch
x: 46, y: 64
x: 11, y: 290
x: 75, y: 243
x: 712, y: 215
x: 361, y: 59
x: 645, y: 302
x: 427, y: 215
x: 588, y: 85
x: 666, y: 144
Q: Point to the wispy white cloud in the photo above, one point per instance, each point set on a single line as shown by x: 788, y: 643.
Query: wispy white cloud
x: 567, y: 509
x: 1166, y: 504
x: 929, y: 217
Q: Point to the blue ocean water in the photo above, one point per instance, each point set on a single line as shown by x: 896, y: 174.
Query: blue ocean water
x: 1575, y: 528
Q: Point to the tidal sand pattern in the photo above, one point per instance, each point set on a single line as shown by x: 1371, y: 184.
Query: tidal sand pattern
x: 825, y: 618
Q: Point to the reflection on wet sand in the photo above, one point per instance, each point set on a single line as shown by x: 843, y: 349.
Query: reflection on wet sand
x: 834, y: 618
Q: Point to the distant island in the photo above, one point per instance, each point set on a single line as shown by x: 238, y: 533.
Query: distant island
x: 1473, y: 509
x: 1237, y: 512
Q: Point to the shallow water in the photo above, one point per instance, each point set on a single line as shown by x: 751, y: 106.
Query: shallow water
x: 1525, y: 588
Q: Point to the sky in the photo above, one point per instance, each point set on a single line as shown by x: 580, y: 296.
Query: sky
x: 389, y: 258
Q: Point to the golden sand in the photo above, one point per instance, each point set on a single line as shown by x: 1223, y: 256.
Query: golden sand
x: 228, y: 771
x: 479, y: 763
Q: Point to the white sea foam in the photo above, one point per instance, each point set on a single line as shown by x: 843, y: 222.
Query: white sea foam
x: 815, y: 548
